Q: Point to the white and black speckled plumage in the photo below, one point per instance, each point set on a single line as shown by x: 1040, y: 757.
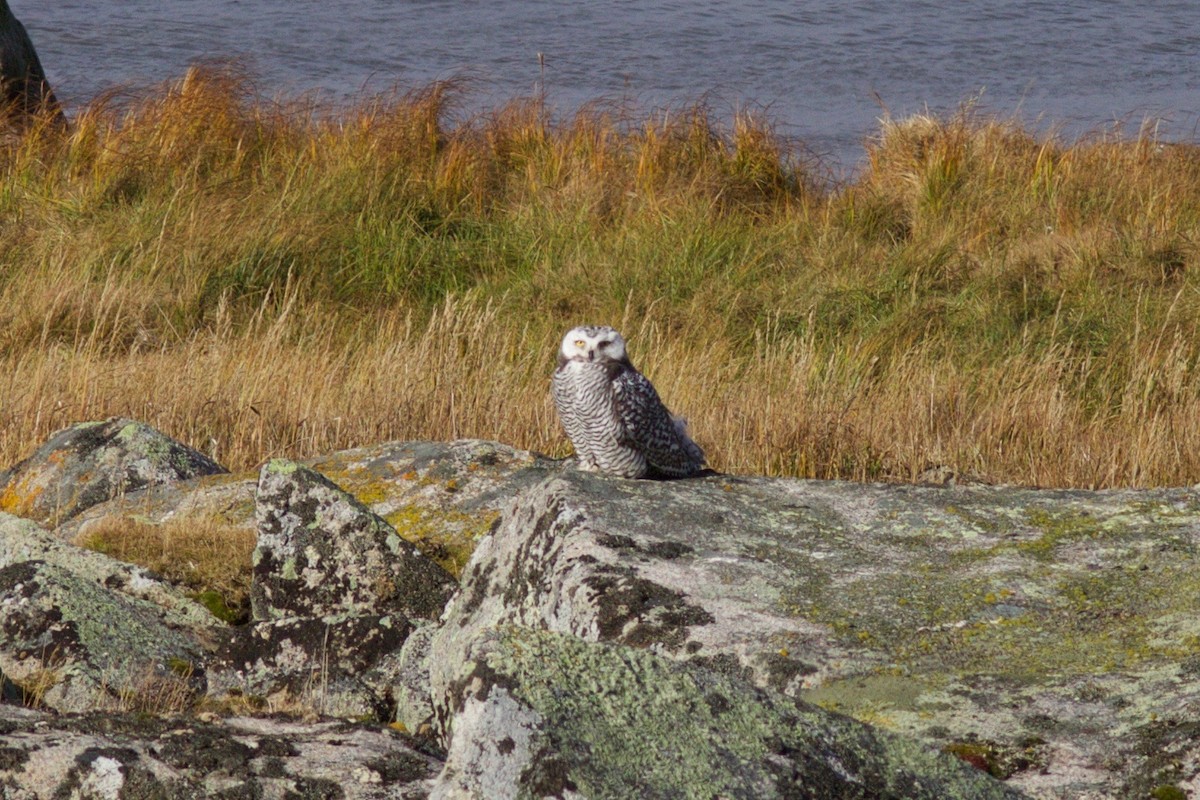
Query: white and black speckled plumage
x: 612, y: 414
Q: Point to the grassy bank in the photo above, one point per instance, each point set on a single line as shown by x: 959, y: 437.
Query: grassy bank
x: 264, y: 279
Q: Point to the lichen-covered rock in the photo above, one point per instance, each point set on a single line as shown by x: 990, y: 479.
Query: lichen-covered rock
x: 321, y: 552
x: 144, y: 757
x: 1049, y: 637
x: 72, y: 645
x: 543, y: 715
x: 337, y: 666
x: 442, y: 496
x: 92, y: 462
x: 23, y: 86
x: 24, y: 540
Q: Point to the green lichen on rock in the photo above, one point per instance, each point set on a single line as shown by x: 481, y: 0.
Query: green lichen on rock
x: 623, y: 722
x: 214, y: 601
x: 280, y: 466
x: 1075, y: 592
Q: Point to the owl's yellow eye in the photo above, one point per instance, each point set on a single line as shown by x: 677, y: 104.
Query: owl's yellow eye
x: 580, y: 343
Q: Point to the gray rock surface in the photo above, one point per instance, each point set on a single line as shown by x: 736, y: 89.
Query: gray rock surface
x: 321, y: 552
x: 1051, y: 637
x: 92, y: 462
x: 542, y: 715
x: 23, y: 86
x: 145, y: 758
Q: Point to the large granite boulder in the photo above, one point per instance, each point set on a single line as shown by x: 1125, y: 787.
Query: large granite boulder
x: 92, y: 462
x: 1049, y: 637
x: 143, y: 757
x: 335, y: 591
x: 23, y: 86
x: 321, y: 552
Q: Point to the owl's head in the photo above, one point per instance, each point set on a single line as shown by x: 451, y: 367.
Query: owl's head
x: 593, y: 343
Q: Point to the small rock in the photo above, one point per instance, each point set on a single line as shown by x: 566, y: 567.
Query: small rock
x: 72, y: 645
x: 24, y: 540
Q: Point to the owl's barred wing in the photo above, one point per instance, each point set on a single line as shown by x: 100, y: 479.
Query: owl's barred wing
x: 648, y: 427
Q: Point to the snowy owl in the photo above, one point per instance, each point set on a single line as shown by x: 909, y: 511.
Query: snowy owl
x: 613, y: 415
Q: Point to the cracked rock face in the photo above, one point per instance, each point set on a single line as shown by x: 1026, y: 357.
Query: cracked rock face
x: 321, y: 552
x: 92, y: 462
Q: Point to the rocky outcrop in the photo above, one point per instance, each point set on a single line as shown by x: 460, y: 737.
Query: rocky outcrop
x: 23, y: 86
x: 617, y: 638
x: 136, y: 757
x: 1049, y: 637
x: 92, y: 462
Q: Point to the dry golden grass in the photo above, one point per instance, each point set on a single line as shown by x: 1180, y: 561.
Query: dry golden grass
x: 208, y: 557
x: 263, y: 279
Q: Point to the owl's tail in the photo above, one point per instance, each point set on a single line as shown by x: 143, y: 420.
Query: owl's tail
x: 694, y: 453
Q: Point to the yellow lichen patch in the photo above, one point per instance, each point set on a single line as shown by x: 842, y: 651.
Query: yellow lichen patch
x: 366, y: 487
x: 20, y: 497
x: 448, y: 537
x: 12, y: 501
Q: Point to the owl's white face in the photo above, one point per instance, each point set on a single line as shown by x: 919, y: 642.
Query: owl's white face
x: 593, y: 343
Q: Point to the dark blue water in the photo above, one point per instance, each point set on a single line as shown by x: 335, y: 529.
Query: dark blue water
x: 825, y: 71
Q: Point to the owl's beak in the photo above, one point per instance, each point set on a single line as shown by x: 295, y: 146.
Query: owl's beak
x: 591, y: 355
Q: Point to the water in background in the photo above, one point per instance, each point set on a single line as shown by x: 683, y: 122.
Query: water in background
x: 825, y: 71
